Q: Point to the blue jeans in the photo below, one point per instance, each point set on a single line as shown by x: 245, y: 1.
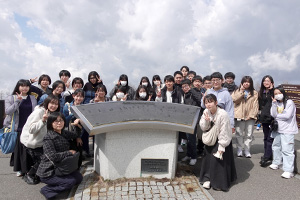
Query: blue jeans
x: 283, y: 150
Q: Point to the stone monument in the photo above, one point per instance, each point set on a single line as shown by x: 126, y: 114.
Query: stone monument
x: 136, y: 138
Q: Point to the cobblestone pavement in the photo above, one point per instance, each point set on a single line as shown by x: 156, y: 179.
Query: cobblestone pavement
x: 93, y: 187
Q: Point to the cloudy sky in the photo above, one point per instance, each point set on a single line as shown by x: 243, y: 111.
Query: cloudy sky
x: 143, y: 38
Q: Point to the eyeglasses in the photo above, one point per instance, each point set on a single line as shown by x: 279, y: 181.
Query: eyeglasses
x: 58, y: 121
x: 215, y: 80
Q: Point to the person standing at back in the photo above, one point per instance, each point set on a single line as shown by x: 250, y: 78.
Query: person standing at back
x: 170, y: 94
x: 223, y: 96
x: 265, y: 102
x: 245, y: 114
x: 123, y: 82
x: 229, y: 82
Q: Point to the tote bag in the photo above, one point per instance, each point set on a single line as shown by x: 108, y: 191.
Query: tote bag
x: 8, y: 137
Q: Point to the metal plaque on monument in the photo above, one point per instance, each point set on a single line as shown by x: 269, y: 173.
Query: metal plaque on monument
x: 136, y: 138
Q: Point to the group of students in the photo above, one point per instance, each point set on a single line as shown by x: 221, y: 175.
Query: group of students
x: 46, y: 125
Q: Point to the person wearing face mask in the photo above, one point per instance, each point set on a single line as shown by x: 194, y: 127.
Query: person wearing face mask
x: 142, y: 94
x: 245, y: 101
x: 284, y: 112
x: 120, y: 94
x: 33, y: 134
x: 265, y: 102
x: 146, y: 82
x: 123, y: 81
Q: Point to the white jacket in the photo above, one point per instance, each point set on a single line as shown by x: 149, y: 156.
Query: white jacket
x: 34, y: 129
x: 222, y: 121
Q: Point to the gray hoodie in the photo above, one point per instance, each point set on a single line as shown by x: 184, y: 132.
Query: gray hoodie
x: 224, y: 101
x: 287, y: 123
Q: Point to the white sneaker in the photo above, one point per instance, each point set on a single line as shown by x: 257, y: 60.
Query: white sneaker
x: 247, y: 154
x: 186, y: 158
x: 239, y: 152
x: 180, y: 149
x: 19, y: 174
x: 193, y: 162
x: 206, y: 184
x: 287, y: 175
x: 273, y: 166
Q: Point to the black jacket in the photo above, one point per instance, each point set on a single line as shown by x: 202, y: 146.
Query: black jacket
x: 193, y: 97
x: 56, y: 146
x: 176, y: 95
x: 265, y: 103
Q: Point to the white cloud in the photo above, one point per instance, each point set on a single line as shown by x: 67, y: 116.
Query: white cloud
x: 143, y: 38
x: 286, y: 61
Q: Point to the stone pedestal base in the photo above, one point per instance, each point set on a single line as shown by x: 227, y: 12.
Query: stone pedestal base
x: 118, y: 154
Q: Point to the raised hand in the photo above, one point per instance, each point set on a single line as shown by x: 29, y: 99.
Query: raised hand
x: 33, y: 80
x: 98, y: 79
x: 68, y: 84
x: 125, y: 97
x: 45, y: 116
x: 19, y: 96
x: 207, y: 118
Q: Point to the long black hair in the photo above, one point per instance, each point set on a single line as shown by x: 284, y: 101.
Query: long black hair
x: 21, y: 82
x: 137, y: 93
x: 285, y: 97
x: 262, y: 87
x: 250, y: 80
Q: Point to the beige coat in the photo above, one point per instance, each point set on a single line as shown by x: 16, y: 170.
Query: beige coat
x: 243, y: 108
x: 222, y: 121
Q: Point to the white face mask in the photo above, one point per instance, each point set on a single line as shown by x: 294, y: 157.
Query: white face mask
x: 120, y: 95
x: 123, y: 83
x: 143, y: 94
x: 145, y: 84
x: 157, y: 82
x: 279, y: 97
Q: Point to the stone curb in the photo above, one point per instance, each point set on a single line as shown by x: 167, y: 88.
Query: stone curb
x: 94, y: 187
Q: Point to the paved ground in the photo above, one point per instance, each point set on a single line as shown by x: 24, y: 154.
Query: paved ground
x: 254, y: 182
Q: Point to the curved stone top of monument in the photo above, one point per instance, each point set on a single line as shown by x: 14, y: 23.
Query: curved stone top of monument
x: 114, y: 116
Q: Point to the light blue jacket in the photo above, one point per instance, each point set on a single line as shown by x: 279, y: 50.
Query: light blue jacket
x: 224, y: 101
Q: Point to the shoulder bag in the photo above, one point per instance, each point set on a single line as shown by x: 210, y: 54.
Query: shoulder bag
x: 67, y: 165
x: 8, y: 137
x: 209, y: 137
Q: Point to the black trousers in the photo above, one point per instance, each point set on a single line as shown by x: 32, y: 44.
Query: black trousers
x: 57, y: 184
